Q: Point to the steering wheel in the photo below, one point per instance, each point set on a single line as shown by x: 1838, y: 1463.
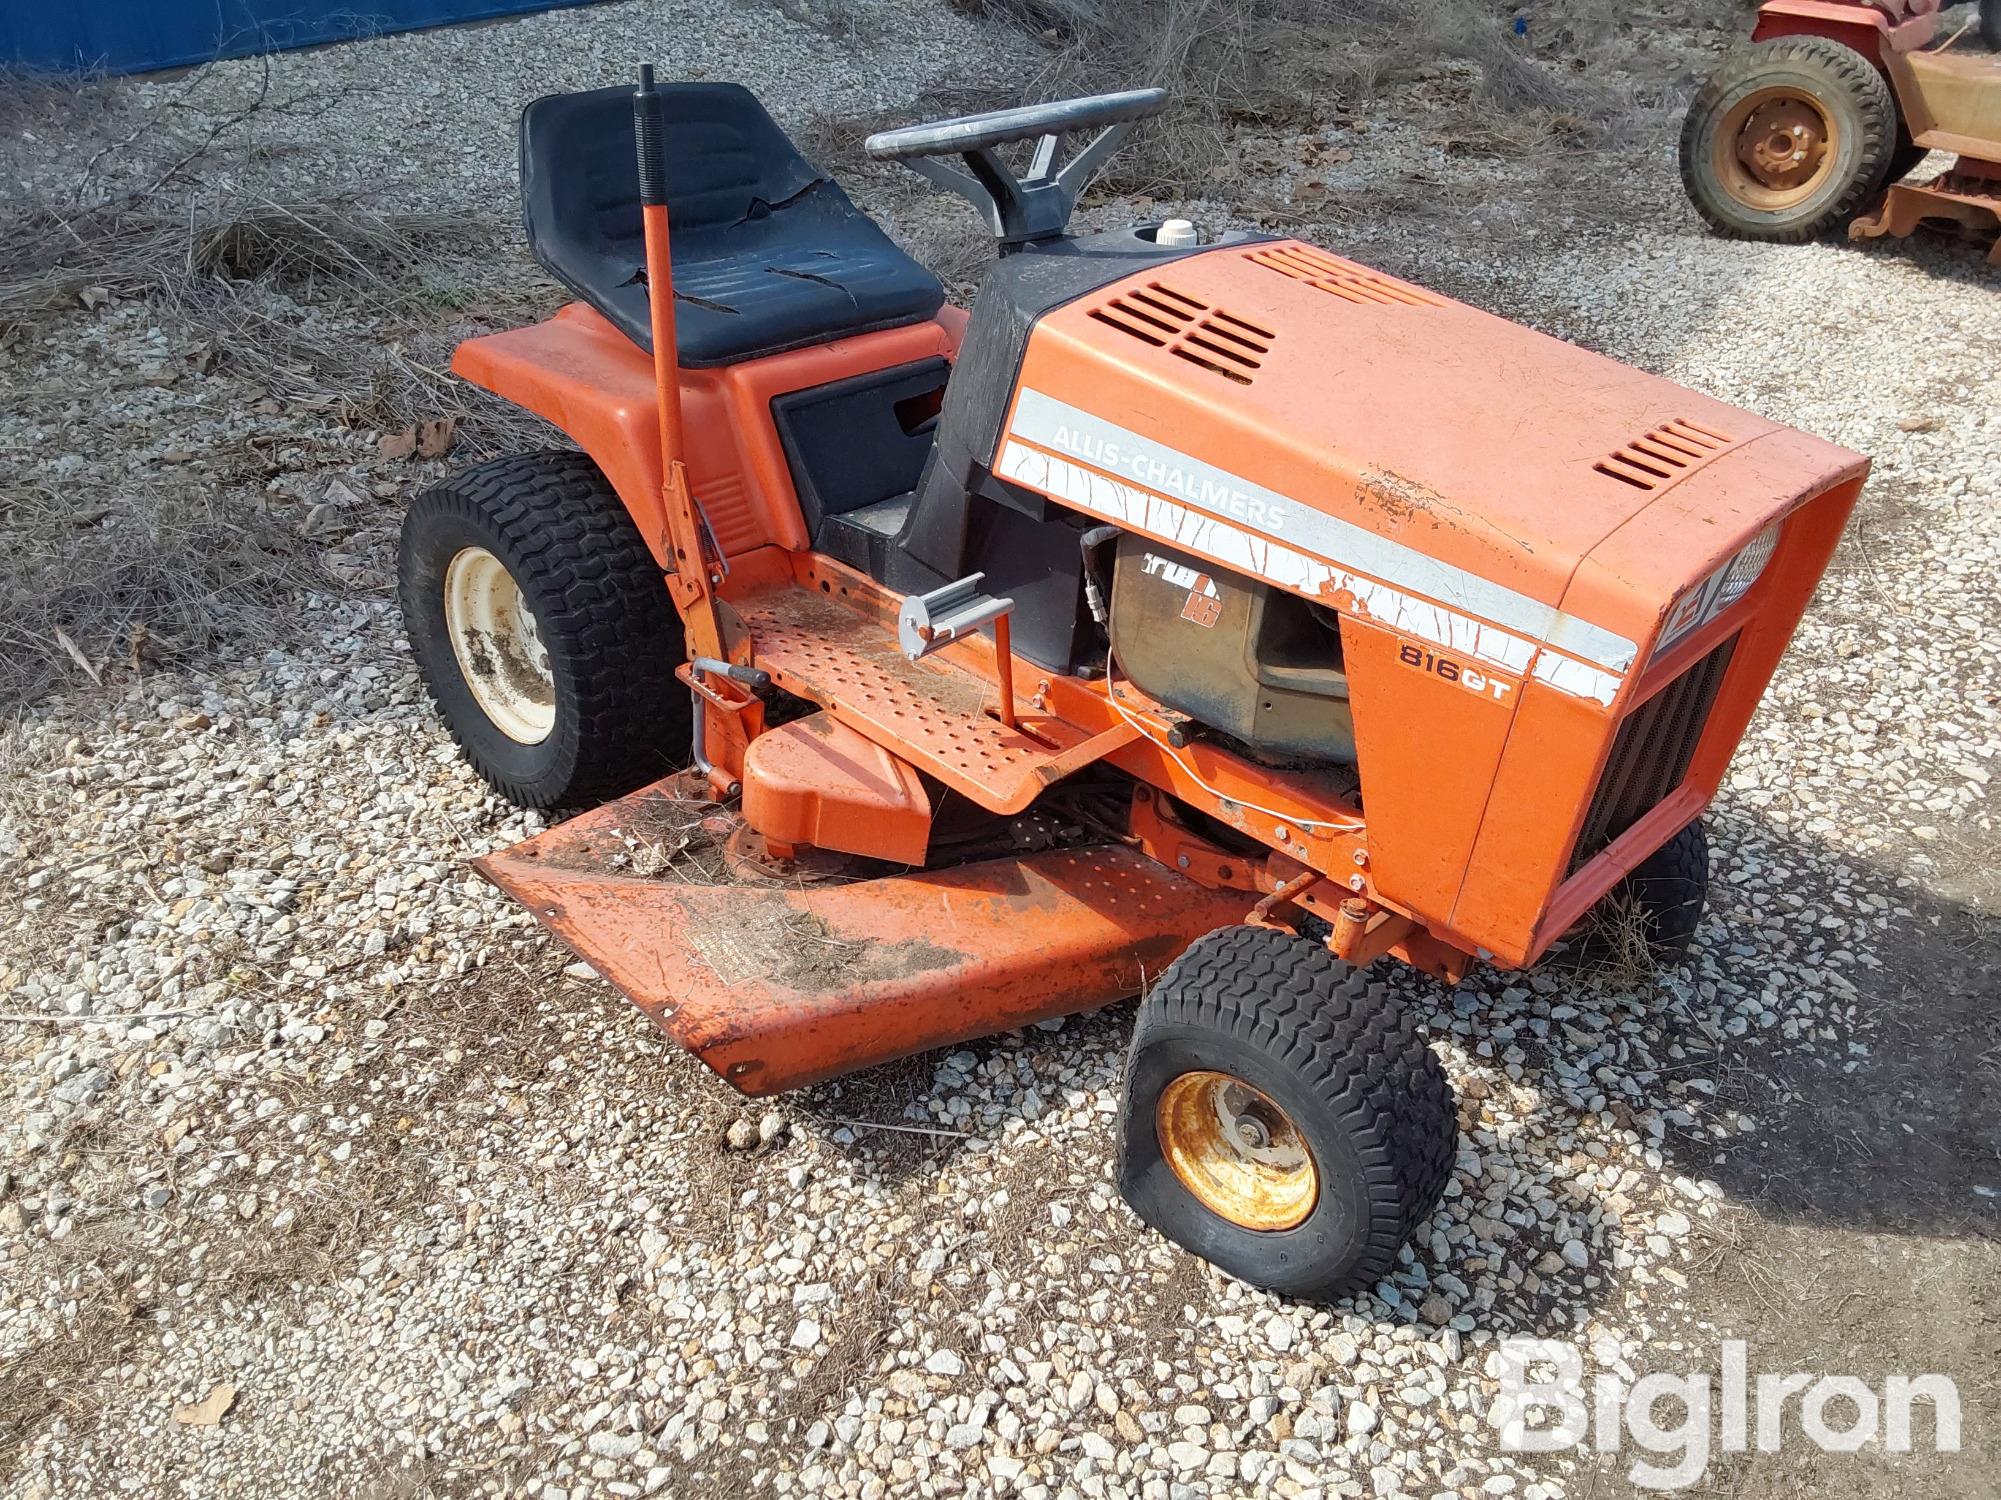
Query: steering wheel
x: 1035, y: 206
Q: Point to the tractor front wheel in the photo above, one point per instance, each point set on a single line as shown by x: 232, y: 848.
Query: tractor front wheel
x: 1669, y: 889
x: 1282, y: 1116
x: 1788, y: 139
x: 544, y: 631
x: 1648, y: 920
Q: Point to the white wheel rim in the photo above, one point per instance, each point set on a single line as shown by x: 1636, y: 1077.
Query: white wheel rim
x: 499, y: 646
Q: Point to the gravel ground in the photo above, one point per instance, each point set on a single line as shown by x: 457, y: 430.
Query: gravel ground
x: 321, y: 1172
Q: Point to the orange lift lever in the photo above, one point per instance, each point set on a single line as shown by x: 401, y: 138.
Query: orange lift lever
x: 691, y: 584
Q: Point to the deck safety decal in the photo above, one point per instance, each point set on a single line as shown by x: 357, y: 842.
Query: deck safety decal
x: 1041, y: 420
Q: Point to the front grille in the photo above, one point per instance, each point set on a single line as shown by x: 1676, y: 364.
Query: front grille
x: 1651, y: 753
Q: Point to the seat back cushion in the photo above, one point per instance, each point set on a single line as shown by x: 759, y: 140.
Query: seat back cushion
x: 768, y: 253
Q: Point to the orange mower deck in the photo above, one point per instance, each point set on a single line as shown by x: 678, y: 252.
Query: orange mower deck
x: 776, y: 986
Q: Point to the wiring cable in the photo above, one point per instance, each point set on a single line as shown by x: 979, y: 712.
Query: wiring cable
x: 1345, y: 825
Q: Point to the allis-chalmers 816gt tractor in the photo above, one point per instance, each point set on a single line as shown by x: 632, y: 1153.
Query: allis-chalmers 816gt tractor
x: 1819, y: 122
x: 1205, y: 614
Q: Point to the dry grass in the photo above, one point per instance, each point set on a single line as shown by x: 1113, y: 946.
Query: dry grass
x: 63, y: 1376
x: 270, y: 290
x: 143, y: 527
x: 852, y: 1356
x: 1282, y: 65
x: 130, y: 580
x: 1616, y: 946
x: 53, y: 257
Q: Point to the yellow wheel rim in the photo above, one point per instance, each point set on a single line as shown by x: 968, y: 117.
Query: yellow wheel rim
x: 1775, y: 148
x: 1236, y: 1151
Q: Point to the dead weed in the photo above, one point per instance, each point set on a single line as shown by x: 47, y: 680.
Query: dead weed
x: 145, y: 515
x: 1283, y: 65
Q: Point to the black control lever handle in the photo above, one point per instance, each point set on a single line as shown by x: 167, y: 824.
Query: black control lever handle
x: 649, y: 130
x: 753, y: 677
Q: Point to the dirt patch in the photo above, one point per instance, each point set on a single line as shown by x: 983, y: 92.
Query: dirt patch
x: 1868, y: 1241
x: 819, y: 962
x: 781, y: 945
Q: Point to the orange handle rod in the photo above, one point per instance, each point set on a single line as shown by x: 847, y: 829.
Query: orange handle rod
x: 666, y: 353
x: 690, y: 584
x: 1004, y: 669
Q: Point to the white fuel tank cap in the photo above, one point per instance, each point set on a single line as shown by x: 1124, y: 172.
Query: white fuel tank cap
x: 1177, y: 234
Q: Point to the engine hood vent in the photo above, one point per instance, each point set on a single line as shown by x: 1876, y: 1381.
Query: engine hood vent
x: 1189, y: 329
x: 1341, y: 278
x: 1663, y: 455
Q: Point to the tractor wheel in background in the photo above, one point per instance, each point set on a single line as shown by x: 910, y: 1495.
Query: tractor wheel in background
x: 1990, y: 23
x: 543, y: 630
x: 1282, y: 1116
x: 1788, y: 139
x: 1904, y: 160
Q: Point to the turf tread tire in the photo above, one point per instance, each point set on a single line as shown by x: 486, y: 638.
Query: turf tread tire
x: 1350, y: 1045
x: 1844, y: 80
x: 1671, y: 889
x: 601, y: 603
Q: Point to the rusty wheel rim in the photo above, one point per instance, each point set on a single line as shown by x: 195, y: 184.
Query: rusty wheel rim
x: 1241, y: 1155
x: 498, y: 645
x: 1776, y: 148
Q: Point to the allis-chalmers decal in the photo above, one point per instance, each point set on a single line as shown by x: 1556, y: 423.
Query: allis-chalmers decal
x: 1174, y: 475
x: 1473, y: 679
x: 1204, y: 606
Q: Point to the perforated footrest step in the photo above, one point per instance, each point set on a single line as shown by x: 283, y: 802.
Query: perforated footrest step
x: 933, y: 712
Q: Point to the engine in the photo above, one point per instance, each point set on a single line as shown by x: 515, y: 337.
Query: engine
x: 1246, y: 659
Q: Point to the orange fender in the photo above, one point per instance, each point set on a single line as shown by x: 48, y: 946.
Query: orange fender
x: 580, y: 373
x: 1872, y: 30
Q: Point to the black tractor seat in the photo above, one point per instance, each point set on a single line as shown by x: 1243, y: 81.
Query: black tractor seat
x: 769, y: 254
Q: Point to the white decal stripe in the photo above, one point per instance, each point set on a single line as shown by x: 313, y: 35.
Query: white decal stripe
x: 1279, y: 564
x: 1055, y: 425
x: 1579, y: 679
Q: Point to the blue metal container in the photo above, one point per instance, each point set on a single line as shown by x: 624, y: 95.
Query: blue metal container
x: 138, y: 36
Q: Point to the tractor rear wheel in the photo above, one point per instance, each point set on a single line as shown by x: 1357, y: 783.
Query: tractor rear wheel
x: 543, y: 629
x: 1788, y: 139
x: 1282, y: 1116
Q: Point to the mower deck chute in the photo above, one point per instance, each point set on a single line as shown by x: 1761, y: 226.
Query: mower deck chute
x: 779, y: 985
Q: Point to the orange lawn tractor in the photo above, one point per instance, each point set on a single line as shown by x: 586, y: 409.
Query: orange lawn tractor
x: 1205, y: 613
x: 1820, y: 119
